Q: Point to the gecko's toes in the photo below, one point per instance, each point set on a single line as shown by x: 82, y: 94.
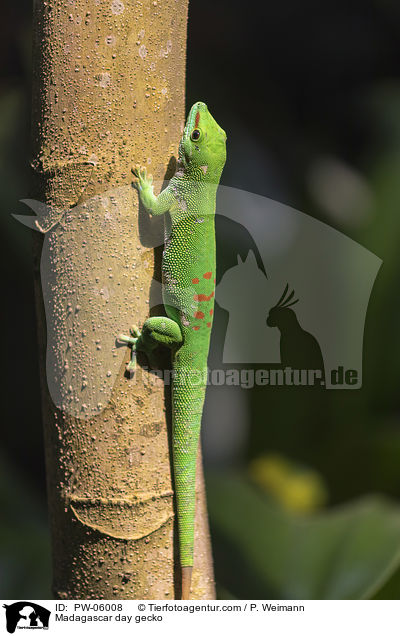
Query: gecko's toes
x: 139, y: 171
x: 121, y: 339
x: 135, y: 170
x: 135, y: 331
x: 131, y: 367
x: 141, y: 179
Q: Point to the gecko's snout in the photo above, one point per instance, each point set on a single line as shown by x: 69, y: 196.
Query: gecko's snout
x: 201, y: 106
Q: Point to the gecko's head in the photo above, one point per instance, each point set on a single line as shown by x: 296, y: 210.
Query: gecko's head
x: 203, y: 143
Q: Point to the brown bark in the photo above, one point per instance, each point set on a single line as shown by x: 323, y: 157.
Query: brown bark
x: 108, y: 92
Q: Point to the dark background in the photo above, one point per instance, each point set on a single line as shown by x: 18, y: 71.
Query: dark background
x: 311, y: 477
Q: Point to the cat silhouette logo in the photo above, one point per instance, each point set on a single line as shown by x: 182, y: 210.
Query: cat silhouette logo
x: 26, y: 615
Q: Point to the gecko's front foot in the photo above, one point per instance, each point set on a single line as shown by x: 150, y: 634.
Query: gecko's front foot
x: 142, y: 180
x: 131, y: 340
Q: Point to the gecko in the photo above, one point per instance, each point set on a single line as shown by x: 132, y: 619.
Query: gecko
x: 188, y: 274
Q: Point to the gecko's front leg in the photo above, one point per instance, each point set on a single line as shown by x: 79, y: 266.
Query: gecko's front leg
x: 144, y: 185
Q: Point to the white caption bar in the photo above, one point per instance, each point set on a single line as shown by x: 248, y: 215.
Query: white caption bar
x: 302, y: 618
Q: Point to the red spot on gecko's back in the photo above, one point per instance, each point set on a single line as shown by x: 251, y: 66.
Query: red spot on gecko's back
x: 209, y: 324
x: 195, y: 281
x: 202, y: 297
x: 196, y: 328
x: 196, y: 123
x: 207, y: 275
x: 211, y: 312
x: 199, y: 314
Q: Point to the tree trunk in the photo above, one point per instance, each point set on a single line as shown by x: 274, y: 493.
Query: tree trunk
x: 108, y: 92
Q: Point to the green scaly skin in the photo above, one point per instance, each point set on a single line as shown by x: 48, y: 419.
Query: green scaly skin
x: 188, y: 292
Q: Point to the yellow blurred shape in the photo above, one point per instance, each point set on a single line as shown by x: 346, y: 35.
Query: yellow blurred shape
x: 297, y: 489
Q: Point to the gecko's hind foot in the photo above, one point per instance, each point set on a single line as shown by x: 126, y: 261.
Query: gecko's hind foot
x: 126, y: 339
x: 131, y: 341
x: 135, y: 334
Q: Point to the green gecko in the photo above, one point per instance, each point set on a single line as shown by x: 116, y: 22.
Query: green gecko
x: 188, y: 269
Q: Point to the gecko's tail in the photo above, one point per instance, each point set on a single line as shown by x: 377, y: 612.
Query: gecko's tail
x: 186, y: 582
x: 187, y: 405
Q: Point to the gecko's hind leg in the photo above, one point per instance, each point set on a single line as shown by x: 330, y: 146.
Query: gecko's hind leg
x: 157, y: 330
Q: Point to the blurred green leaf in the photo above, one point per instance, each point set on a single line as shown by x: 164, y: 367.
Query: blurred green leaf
x: 347, y: 553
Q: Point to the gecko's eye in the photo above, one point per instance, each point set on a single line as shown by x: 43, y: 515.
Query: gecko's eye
x: 196, y: 134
